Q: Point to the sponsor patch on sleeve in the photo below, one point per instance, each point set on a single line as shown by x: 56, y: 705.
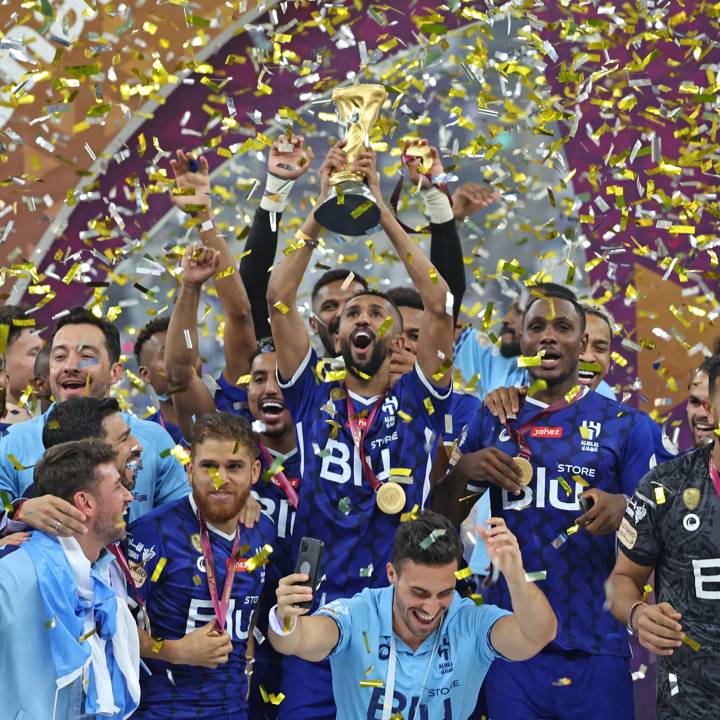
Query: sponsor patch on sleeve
x: 627, y: 534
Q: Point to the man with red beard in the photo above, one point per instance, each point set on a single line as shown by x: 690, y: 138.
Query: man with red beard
x: 85, y: 362
x: 365, y: 449
x: 199, y: 572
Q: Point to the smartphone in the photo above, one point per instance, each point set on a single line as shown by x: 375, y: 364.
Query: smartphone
x: 586, y: 503
x: 308, y: 563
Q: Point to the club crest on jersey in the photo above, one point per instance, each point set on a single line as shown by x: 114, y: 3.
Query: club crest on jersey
x: 589, y: 432
x: 195, y: 541
x: 691, y: 498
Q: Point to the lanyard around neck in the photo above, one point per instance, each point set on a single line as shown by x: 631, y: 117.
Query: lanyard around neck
x: 390, y: 679
x: 359, y: 429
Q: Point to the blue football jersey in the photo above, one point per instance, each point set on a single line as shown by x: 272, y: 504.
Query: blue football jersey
x: 234, y: 400
x: 463, y: 409
x: 337, y: 504
x: 593, y: 442
x: 178, y: 602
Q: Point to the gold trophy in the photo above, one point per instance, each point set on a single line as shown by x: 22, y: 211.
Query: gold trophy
x: 351, y: 208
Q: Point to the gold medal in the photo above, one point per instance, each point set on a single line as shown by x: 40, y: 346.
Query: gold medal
x: 526, y: 469
x: 390, y: 498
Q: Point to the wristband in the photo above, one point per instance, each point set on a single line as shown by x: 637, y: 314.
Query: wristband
x: 634, y: 607
x: 437, y: 205
x: 277, y: 628
x: 277, y: 191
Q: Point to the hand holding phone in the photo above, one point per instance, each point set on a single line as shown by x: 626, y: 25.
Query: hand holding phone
x: 308, y: 563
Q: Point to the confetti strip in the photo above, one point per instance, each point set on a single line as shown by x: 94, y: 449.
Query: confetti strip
x: 158, y: 569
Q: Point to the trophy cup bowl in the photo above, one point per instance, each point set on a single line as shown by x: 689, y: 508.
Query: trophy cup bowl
x: 351, y: 208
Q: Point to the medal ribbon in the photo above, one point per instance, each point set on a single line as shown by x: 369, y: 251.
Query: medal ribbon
x: 359, y: 429
x: 279, y: 478
x: 122, y: 562
x: 519, y: 435
x: 714, y: 475
x: 220, y: 604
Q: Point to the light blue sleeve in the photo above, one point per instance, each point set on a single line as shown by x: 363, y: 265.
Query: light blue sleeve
x: 480, y: 560
x: 170, y: 479
x: 477, y: 623
x: 8, y: 474
x: 347, y: 613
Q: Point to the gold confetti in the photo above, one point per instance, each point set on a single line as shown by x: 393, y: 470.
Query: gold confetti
x: 158, y: 569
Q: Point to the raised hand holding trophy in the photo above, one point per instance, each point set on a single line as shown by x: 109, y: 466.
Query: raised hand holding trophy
x: 351, y: 209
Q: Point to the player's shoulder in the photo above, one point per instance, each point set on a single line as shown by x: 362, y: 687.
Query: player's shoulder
x: 236, y: 393
x: 18, y: 433
x: 148, y: 432
x: 264, y: 532
x: 686, y: 470
x: 162, y: 518
x: 464, y: 402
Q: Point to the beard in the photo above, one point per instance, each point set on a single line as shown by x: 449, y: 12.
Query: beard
x: 511, y: 348
x: 371, y: 365
x: 326, y: 333
x: 215, y: 513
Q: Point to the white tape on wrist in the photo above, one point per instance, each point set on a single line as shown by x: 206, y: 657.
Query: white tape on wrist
x: 277, y: 191
x: 437, y: 205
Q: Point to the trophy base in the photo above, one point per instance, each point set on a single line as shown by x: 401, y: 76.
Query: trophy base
x: 338, y: 217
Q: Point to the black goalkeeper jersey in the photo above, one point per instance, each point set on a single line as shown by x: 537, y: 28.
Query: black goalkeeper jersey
x: 673, y: 524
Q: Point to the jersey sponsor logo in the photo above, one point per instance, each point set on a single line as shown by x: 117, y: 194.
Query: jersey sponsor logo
x: 627, y: 534
x: 240, y: 564
x: 548, y: 433
x: 542, y: 493
x: 139, y: 552
x: 280, y: 513
x: 580, y: 470
x: 410, y: 707
x: 202, y: 612
x: 504, y: 436
x: 637, y: 511
x: 707, y: 586
x: 691, y: 522
x: 589, y: 432
x: 691, y: 498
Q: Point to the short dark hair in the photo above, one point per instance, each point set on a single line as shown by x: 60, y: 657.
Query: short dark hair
x: 78, y: 418
x: 82, y: 316
x: 154, y: 326
x: 223, y: 426
x: 12, y: 314
x: 712, y: 368
x: 545, y: 291
x: 70, y: 467
x: 332, y: 276
x: 264, y: 345
x: 412, y: 541
x: 406, y: 297
x: 382, y: 296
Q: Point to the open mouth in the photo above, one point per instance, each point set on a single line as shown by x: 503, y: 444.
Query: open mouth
x: 703, y: 429
x: 362, y: 339
x: 73, y: 385
x: 586, y: 377
x: 550, y: 359
x: 423, y: 619
x: 272, y: 409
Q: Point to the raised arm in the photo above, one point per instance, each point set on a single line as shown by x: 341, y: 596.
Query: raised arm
x: 310, y: 638
x: 533, y: 623
x: 287, y: 161
x: 436, y: 332
x: 239, y: 336
x: 190, y: 395
x: 292, y: 341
